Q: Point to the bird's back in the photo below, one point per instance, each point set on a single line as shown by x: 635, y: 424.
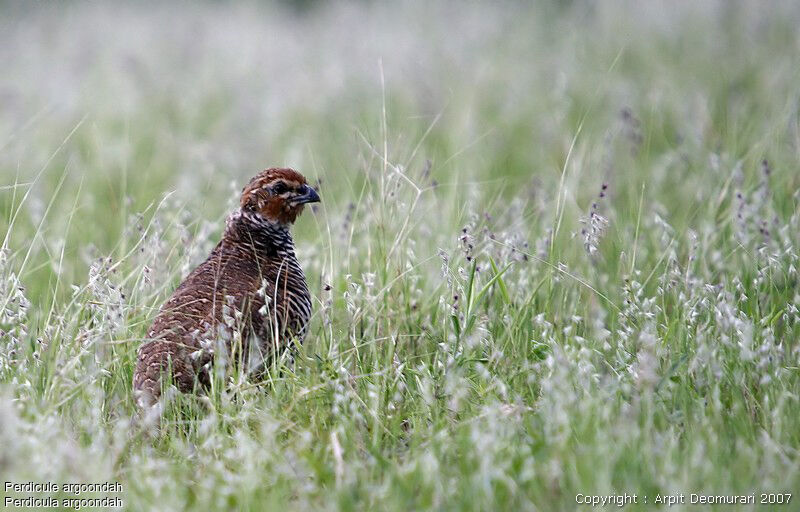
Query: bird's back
x: 250, y: 284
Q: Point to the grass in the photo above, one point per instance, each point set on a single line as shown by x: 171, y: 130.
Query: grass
x: 556, y: 255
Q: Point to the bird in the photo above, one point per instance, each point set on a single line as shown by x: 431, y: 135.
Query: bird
x: 250, y: 290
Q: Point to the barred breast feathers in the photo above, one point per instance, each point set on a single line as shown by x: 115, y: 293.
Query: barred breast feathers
x: 252, y: 274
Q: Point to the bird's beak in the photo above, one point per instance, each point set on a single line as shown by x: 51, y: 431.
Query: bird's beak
x: 309, y: 195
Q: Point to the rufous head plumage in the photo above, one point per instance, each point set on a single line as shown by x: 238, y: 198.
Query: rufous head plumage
x: 278, y: 195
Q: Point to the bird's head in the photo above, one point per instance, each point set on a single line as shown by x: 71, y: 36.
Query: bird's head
x: 278, y: 195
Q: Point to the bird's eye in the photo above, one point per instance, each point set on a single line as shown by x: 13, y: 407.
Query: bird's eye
x: 279, y: 188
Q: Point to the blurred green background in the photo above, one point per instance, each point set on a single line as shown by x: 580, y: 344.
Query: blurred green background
x: 556, y: 252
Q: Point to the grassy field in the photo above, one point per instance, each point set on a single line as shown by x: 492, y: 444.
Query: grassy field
x: 556, y: 254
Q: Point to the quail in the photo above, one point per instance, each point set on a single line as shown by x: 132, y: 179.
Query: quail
x: 250, y: 289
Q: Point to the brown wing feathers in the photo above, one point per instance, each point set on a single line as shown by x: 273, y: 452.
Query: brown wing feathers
x: 253, y: 270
